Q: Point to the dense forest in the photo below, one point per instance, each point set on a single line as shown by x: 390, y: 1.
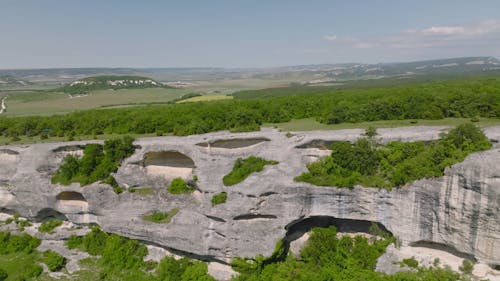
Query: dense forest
x: 372, y: 164
x: 436, y: 100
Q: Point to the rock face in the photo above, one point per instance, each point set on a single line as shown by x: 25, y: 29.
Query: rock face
x: 459, y: 211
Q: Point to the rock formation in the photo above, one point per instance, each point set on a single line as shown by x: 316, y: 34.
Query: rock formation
x: 459, y: 211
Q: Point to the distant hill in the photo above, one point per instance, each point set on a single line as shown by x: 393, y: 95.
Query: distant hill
x: 328, y: 73
x: 110, y: 82
x: 322, y: 73
x: 9, y: 81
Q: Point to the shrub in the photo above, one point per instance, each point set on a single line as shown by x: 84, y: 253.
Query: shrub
x: 160, y: 217
x: 17, y: 243
x: 219, y: 198
x: 371, y: 132
x: 74, y: 241
x: 32, y: 271
x: 244, y: 167
x: 182, y: 269
x: 410, y: 262
x: 118, y: 189
x: 179, y: 186
x: 53, y: 260
x: 467, y: 266
x: 143, y: 191
x: 49, y: 226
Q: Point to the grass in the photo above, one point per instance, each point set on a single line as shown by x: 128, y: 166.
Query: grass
x: 160, y: 217
x: 143, y: 191
x: 49, y: 226
x: 219, y: 198
x: 19, y: 265
x: 48, y: 103
x: 310, y: 124
x: 206, y: 98
x: 244, y: 167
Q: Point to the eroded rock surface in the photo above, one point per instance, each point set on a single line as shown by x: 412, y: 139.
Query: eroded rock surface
x: 460, y: 210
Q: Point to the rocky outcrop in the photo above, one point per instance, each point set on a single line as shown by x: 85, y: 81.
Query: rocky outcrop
x: 460, y: 210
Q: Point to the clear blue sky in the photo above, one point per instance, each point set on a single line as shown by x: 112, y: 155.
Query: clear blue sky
x: 237, y: 33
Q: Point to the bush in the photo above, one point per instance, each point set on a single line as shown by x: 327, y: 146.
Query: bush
x: 17, y: 243
x: 32, y: 271
x: 143, y: 191
x: 371, y: 132
x: 467, y: 266
x: 74, y: 241
x: 53, y: 260
x: 49, y: 226
x: 182, y: 269
x: 244, y: 167
x: 160, y: 217
x: 219, y: 198
x: 179, y: 186
x: 410, y: 262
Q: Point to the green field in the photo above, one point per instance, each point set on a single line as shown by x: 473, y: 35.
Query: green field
x: 48, y: 103
x: 310, y: 124
x: 206, y: 98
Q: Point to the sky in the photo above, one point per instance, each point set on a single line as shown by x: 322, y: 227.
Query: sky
x: 238, y: 33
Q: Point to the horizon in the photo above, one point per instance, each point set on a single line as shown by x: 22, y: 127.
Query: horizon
x: 243, y: 68
x: 227, y: 34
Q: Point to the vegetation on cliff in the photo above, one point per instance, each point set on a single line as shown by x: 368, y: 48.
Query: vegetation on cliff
x: 18, y: 256
x: 371, y: 164
x: 437, y: 100
x: 327, y: 256
x: 53, y: 260
x: 244, y: 167
x: 161, y: 217
x: 123, y: 259
x: 50, y: 225
x: 96, y: 164
x: 219, y: 198
x: 179, y: 186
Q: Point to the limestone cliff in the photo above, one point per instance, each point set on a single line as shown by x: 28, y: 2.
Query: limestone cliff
x: 460, y: 210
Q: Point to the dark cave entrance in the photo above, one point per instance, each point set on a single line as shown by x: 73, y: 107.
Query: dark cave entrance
x: 299, y: 227
x: 49, y: 214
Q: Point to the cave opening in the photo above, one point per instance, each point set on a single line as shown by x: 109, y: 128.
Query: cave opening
x: 167, y: 158
x: 299, y: 227
x: 71, y: 202
x: 70, y: 195
x: 47, y: 214
x: 233, y: 143
x: 168, y: 164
